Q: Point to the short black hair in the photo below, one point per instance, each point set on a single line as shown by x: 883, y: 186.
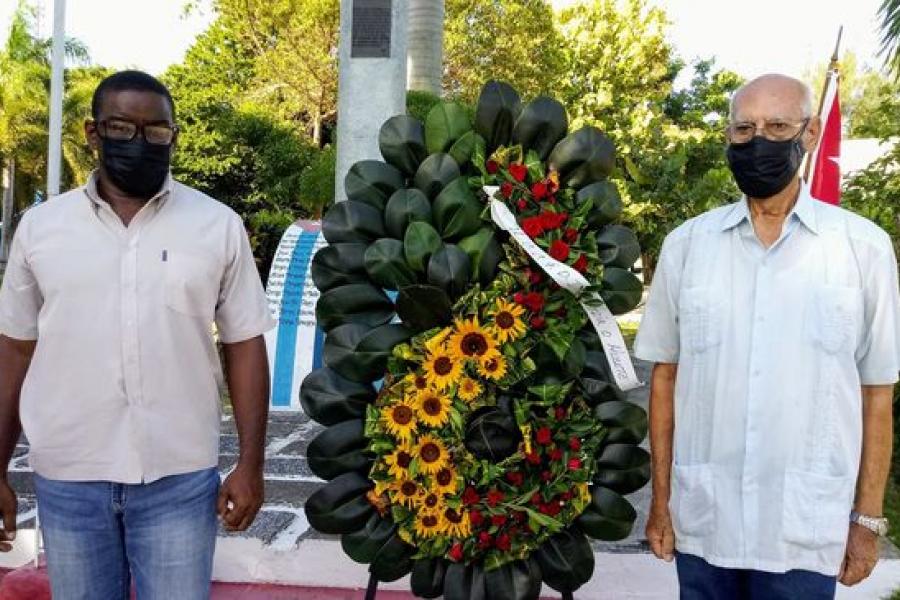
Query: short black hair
x: 129, y: 80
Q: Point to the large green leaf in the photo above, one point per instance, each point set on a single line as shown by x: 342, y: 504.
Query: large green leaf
x: 404, y: 207
x: 329, y: 398
x: 566, y: 560
x: 541, y: 125
x: 465, y: 582
x: 435, y: 173
x: 338, y: 264
x: 353, y: 303
x: 362, y: 546
x: 352, y: 222
x: 423, y: 307
x: 427, y: 579
x: 618, y: 246
x: 341, y: 505
x: 339, y: 449
x: 359, y: 353
x: 372, y: 182
x: 485, y: 254
x: 607, y: 203
x: 463, y: 149
x: 583, y: 157
x: 446, y: 122
x: 492, y: 434
x: 498, y: 108
x: 623, y: 468
x: 457, y: 212
x: 518, y: 580
x: 402, y: 143
x: 419, y: 243
x: 625, y: 422
x: 449, y: 269
x: 609, y: 516
x: 621, y: 290
x: 386, y: 264
x: 393, y: 561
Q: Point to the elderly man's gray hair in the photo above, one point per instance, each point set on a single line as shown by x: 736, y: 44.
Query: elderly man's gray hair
x: 775, y: 79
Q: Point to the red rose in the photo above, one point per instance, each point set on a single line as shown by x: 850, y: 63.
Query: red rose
x: 559, y: 250
x: 491, y: 166
x: 574, y: 464
x: 551, y: 200
x: 551, y: 508
x: 556, y: 454
x: 575, y: 444
x: 571, y: 234
x: 498, y: 520
x: 560, y: 413
x: 544, y: 436
x: 518, y: 171
x: 533, y: 301
x: 581, y: 264
x: 503, y: 543
x: 533, y: 226
x: 538, y: 322
x: 533, y: 457
x: 513, y: 530
x: 546, y: 476
x: 456, y: 552
x: 470, y: 496
x: 536, y: 499
x: 539, y: 190
x: 519, y: 298
x: 566, y: 496
x: 534, y: 277
x: 485, y: 540
x: 522, y: 203
x: 495, y: 497
x: 506, y: 188
x: 515, y: 478
x: 549, y: 220
x: 476, y: 518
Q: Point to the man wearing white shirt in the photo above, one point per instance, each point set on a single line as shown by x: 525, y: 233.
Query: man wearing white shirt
x: 774, y: 326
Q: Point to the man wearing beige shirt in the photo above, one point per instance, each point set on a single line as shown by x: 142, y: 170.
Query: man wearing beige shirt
x: 108, y: 362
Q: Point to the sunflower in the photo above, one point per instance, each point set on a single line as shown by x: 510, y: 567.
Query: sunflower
x: 441, y: 369
x: 445, y: 481
x: 437, y: 341
x: 492, y: 366
x: 456, y: 524
x: 433, y: 408
x: 468, y: 389
x: 507, y: 325
x: 431, y: 502
x: 428, y: 524
x: 399, y: 419
x: 471, y: 340
x: 399, y: 460
x: 432, y: 454
x: 416, y: 381
x: 406, y: 492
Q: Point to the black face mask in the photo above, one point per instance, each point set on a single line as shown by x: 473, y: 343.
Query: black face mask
x: 136, y: 167
x: 762, y: 168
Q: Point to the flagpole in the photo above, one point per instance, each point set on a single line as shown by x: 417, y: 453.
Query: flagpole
x: 57, y: 57
x: 833, y: 68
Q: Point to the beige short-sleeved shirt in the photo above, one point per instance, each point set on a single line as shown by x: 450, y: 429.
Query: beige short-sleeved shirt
x: 124, y: 383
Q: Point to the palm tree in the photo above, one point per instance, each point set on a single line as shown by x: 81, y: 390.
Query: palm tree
x: 889, y: 12
x: 425, y: 39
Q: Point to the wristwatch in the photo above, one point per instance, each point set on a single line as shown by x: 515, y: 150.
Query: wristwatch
x: 877, y: 525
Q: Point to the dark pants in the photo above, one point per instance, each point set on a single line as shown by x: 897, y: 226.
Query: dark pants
x: 699, y: 580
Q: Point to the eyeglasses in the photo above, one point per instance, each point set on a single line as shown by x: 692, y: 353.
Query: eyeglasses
x: 776, y: 130
x: 158, y: 134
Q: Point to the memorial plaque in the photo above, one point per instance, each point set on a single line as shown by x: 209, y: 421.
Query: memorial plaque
x: 371, y: 29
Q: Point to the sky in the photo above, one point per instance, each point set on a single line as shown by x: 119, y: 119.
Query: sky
x: 749, y: 37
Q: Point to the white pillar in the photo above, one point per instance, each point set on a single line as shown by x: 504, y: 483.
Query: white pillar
x: 54, y: 147
x: 426, y: 45
x: 370, y: 90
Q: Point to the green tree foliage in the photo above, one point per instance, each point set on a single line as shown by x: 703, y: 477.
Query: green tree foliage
x: 889, y: 12
x: 874, y: 193
x: 509, y: 40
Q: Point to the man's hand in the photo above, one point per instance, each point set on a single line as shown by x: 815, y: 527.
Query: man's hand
x: 8, y: 509
x: 241, y: 497
x: 861, y: 555
x: 660, y: 534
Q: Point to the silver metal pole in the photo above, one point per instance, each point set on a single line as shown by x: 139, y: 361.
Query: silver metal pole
x: 54, y: 149
x: 6, y: 214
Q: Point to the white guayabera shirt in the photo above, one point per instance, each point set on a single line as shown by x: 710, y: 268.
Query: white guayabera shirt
x: 772, y: 347
x: 123, y: 383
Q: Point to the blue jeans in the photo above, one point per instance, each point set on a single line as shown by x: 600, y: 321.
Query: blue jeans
x: 699, y: 580
x: 98, y: 535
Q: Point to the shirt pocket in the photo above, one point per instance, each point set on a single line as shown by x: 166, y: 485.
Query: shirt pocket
x: 701, y: 315
x: 190, y: 285
x: 693, y: 500
x: 816, y: 511
x: 835, y: 316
